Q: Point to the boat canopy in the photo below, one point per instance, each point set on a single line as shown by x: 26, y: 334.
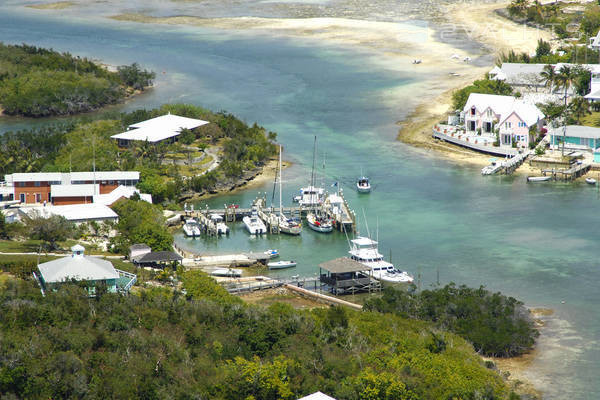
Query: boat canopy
x: 363, y: 241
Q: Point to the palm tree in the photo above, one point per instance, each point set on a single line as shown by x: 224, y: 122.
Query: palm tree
x: 579, y: 107
x: 565, y: 79
x: 549, y: 76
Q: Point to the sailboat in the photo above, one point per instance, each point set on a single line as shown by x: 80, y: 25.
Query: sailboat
x: 291, y: 226
x: 316, y: 220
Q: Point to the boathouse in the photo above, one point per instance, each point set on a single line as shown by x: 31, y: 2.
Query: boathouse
x: 344, y: 276
x: 165, y: 128
x: 576, y: 137
x: 81, y: 268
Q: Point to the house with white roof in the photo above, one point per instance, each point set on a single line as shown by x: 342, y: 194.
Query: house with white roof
x: 75, y: 213
x: 165, y: 128
x: 511, y: 118
x: 81, y: 268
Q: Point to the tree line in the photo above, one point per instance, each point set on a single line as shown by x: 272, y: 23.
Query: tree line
x: 158, y: 343
x: 37, y: 82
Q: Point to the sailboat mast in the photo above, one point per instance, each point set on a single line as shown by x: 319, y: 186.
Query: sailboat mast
x: 280, y: 203
x: 312, y: 173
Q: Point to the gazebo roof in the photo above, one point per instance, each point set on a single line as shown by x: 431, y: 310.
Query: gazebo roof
x: 343, y: 264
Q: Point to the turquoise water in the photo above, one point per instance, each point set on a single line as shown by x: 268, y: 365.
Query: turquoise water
x: 536, y: 242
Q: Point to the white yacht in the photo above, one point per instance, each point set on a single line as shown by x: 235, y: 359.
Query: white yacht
x: 291, y: 226
x: 311, y: 196
x: 319, y: 223
x: 254, y: 224
x: 364, y: 250
x: 363, y: 185
x: 191, y: 228
x: 222, y: 228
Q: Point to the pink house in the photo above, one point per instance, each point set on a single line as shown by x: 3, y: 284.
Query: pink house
x: 510, y: 118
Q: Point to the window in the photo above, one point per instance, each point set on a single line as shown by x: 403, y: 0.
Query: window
x: 508, y: 124
x: 22, y: 197
x: 38, y: 197
x: 472, y: 110
x: 489, y: 112
x: 38, y: 184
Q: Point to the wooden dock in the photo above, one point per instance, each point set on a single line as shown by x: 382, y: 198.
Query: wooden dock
x: 334, y: 206
x: 509, y: 166
x: 574, y: 172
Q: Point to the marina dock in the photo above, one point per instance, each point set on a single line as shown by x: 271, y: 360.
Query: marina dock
x: 571, y: 173
x: 334, y: 206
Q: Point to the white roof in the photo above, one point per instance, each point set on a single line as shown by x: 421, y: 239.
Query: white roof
x: 74, y: 212
x: 504, y: 106
x: 317, y: 396
x: 121, y: 191
x: 68, y: 177
x: 105, y: 175
x: 529, y: 74
x: 34, y: 177
x: 159, y: 128
x: 78, y: 267
x: 363, y: 241
x: 586, y: 132
x: 74, y: 190
x: 528, y: 113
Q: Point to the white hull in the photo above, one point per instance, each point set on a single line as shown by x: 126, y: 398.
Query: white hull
x: 365, y: 251
x: 191, y: 229
x: 281, y: 264
x: 254, y: 226
x: 222, y: 229
x: 538, y: 178
x: 363, y: 189
x: 290, y: 228
x: 590, y: 181
x: 393, y: 277
x: 272, y: 253
x: 227, y: 272
x: 317, y: 226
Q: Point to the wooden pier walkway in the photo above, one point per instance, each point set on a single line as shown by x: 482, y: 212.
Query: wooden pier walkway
x: 571, y: 173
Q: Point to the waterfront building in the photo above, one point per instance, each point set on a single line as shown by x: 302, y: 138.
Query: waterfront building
x: 344, y: 276
x: 576, y: 137
x: 157, y: 259
x: 81, y: 268
x: 506, y: 116
x: 76, y: 213
x: 62, y: 188
x: 165, y: 128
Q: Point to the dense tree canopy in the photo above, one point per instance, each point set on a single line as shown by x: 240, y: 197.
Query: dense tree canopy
x: 209, y: 345
x: 38, y: 82
x: 496, y: 325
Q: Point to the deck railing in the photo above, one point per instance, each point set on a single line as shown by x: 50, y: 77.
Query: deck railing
x: 132, y: 277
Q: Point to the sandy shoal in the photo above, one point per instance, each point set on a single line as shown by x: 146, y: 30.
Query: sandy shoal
x: 58, y: 5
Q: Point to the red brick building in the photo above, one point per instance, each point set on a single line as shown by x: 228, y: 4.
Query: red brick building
x: 64, y: 188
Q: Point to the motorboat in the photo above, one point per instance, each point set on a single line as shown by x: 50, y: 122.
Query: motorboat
x: 311, y: 196
x: 291, y: 226
x: 363, y: 185
x: 227, y: 272
x: 254, y: 224
x: 272, y: 253
x: 281, y: 264
x: 319, y: 223
x: 491, y: 169
x: 590, y: 181
x: 222, y: 228
x: 191, y: 228
x: 538, y: 178
x: 365, y: 251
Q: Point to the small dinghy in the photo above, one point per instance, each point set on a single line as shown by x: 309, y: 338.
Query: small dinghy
x: 590, y: 181
x: 272, y: 253
x: 281, y: 264
x: 538, y: 178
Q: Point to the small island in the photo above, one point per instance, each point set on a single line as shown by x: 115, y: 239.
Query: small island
x: 38, y: 82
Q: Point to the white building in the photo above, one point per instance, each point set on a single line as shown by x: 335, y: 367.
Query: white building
x: 76, y: 213
x: 484, y: 114
x: 79, y: 267
x: 155, y: 130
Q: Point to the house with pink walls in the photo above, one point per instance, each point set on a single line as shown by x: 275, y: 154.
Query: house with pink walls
x: 506, y: 116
